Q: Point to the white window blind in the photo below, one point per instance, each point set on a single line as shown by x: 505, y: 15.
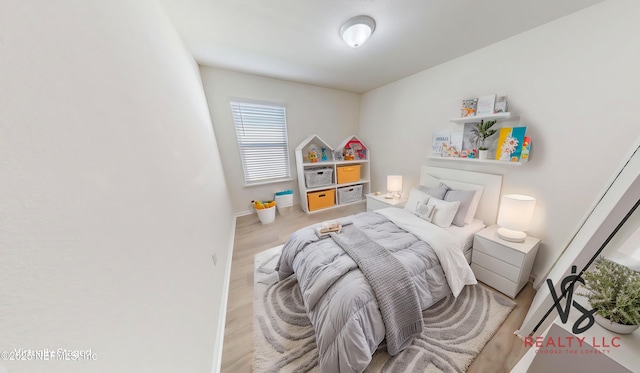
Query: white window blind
x: 261, y: 131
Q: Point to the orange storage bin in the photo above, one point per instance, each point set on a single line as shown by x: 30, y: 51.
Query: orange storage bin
x: 348, y: 174
x: 321, y: 199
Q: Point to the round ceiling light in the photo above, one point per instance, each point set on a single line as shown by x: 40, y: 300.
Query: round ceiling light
x: 357, y: 30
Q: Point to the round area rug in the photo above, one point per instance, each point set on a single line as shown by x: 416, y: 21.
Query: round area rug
x: 455, y: 329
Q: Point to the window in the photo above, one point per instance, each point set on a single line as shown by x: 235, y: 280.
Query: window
x: 261, y: 131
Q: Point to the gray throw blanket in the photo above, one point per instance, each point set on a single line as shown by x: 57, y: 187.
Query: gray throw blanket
x: 395, y: 292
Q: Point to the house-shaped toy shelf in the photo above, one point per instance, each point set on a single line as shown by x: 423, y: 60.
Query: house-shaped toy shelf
x: 314, y: 150
x: 352, y: 149
x: 322, y: 183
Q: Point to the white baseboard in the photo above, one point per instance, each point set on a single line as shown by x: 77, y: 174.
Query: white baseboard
x: 222, y: 319
x: 244, y: 213
x: 252, y: 211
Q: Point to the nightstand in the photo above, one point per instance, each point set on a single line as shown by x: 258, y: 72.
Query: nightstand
x: 503, y: 265
x: 379, y: 202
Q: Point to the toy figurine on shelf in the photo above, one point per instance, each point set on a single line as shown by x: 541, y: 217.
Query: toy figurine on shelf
x: 358, y: 149
x: 313, y: 157
x: 349, y: 154
x: 472, y: 154
x: 313, y: 153
x: 324, y: 155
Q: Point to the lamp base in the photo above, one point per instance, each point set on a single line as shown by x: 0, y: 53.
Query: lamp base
x: 393, y: 195
x: 511, y: 235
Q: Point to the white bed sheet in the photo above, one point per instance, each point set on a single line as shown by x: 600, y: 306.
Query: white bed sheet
x: 452, y: 260
x: 464, y: 235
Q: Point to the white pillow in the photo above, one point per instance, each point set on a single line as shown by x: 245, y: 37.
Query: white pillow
x: 444, y: 212
x: 416, y: 195
x: 471, y: 214
x: 473, y: 207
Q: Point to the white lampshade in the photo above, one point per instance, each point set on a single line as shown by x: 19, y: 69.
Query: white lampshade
x: 514, y: 217
x: 357, y: 30
x: 394, y: 186
x: 394, y: 183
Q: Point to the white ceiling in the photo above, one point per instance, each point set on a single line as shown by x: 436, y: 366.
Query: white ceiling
x: 298, y: 40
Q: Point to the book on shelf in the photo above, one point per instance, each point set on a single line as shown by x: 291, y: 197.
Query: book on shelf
x: 500, y: 105
x: 455, y: 145
x: 526, y: 149
x: 486, y: 104
x: 440, y: 140
x: 469, y: 107
x: 510, y: 141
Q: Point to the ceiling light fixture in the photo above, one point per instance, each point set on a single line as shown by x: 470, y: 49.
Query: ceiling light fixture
x: 357, y: 30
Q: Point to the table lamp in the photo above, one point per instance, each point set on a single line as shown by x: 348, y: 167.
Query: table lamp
x: 394, y: 186
x: 514, y: 217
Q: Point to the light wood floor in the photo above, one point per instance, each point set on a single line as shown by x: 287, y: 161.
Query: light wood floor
x: 500, y: 354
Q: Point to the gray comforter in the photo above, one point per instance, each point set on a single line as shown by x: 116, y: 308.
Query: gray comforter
x: 339, y: 301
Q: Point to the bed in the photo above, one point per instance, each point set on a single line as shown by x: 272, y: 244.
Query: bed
x: 355, y: 299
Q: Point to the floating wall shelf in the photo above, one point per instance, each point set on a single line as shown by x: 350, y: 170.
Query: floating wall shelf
x: 475, y: 160
x: 478, y: 118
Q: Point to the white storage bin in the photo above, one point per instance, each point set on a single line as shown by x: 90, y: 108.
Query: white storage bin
x: 284, y: 202
x: 267, y: 215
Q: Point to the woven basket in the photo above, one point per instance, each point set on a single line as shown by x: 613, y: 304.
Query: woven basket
x: 349, y: 194
x: 316, y: 177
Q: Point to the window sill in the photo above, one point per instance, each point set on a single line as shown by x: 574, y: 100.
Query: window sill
x: 258, y: 183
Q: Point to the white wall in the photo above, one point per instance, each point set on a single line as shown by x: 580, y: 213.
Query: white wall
x: 331, y: 114
x: 110, y: 191
x: 574, y: 83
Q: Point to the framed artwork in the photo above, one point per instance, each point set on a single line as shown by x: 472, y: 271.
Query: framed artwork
x: 337, y: 155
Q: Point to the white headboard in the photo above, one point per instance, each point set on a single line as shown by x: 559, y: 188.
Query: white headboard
x: 488, y: 206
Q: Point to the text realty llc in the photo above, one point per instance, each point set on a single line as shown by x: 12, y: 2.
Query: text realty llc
x: 571, y: 341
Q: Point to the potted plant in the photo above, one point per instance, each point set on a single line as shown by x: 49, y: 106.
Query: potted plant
x: 614, y: 292
x: 480, y: 133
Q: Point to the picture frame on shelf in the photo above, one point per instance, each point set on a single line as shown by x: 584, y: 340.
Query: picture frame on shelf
x: 469, y: 145
x: 469, y: 107
x: 455, y: 146
x: 510, y: 143
x: 337, y: 155
x: 439, y: 141
x: 486, y: 104
x: 500, y: 105
x: 479, y: 137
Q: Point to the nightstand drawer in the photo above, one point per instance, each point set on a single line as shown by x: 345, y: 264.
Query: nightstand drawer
x: 495, y: 250
x: 501, y: 264
x: 374, y: 204
x: 495, y: 281
x: 496, y: 265
x: 377, y: 202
